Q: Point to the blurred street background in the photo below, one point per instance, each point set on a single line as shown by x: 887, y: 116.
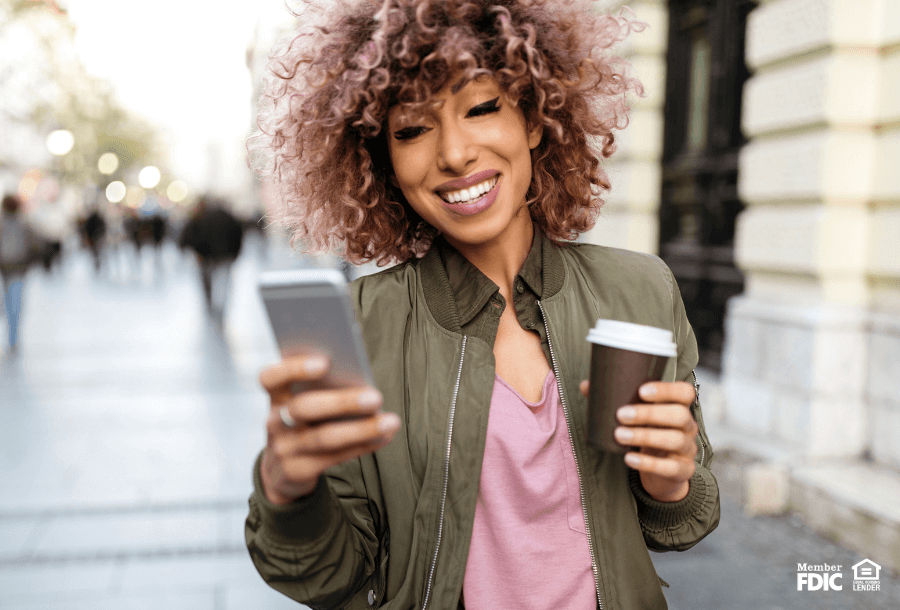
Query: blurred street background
x: 760, y: 165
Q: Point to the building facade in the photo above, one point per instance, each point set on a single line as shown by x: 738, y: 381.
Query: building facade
x: 810, y: 352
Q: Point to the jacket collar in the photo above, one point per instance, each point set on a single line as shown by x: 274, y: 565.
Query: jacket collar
x: 455, y: 290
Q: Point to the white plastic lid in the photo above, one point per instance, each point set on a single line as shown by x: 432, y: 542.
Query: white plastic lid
x: 634, y: 338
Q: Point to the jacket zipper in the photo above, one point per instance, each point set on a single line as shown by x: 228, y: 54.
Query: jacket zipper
x: 562, y: 399
x: 437, y: 545
x: 697, y: 400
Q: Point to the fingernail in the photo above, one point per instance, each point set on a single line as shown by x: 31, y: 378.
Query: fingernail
x: 648, y: 391
x: 315, y: 365
x: 632, y: 459
x: 369, y: 399
x: 389, y: 422
x: 626, y: 413
x: 624, y: 434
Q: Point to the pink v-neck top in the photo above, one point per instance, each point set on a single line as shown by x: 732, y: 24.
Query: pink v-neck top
x: 529, y: 549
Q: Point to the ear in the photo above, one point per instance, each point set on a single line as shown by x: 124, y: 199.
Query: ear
x: 534, y: 135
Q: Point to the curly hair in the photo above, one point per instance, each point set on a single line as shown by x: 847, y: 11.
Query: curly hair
x: 322, y: 129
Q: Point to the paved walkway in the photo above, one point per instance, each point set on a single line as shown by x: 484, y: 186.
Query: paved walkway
x: 129, y: 424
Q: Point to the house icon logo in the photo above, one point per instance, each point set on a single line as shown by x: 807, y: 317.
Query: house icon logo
x: 866, y: 570
x: 866, y: 576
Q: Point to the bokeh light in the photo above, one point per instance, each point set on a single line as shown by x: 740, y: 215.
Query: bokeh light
x: 108, y: 163
x: 48, y: 189
x: 60, y: 142
x: 29, y: 184
x: 115, y: 192
x: 149, y: 177
x: 177, y: 191
x: 134, y: 197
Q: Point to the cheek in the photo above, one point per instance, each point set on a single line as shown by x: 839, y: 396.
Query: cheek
x: 408, y: 167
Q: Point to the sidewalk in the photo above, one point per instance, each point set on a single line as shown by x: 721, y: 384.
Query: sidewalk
x: 854, y: 502
x: 129, y: 427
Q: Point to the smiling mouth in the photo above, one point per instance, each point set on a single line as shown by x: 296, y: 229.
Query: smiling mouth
x: 471, y: 194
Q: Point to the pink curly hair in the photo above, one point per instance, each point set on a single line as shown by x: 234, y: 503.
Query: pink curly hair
x: 321, y: 131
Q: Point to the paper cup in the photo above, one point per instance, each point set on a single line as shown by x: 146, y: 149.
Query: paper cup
x: 624, y: 356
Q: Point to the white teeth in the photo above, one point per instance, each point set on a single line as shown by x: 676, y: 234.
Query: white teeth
x: 474, y: 192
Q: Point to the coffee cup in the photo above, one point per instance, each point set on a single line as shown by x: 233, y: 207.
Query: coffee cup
x: 624, y: 356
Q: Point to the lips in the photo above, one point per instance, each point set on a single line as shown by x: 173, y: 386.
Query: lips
x: 477, y: 205
x: 464, y: 183
x: 470, y: 194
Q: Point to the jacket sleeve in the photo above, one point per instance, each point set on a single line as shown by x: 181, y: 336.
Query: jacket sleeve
x: 321, y: 550
x: 677, y: 526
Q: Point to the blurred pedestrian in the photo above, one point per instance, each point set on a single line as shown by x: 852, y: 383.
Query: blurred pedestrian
x: 157, y: 230
x: 93, y: 231
x: 19, y: 247
x: 52, y: 225
x: 215, y: 235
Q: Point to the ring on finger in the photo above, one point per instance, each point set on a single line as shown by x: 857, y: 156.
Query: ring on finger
x: 286, y: 419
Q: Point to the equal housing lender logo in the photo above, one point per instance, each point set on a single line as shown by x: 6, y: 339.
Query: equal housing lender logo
x: 866, y: 576
x: 827, y: 577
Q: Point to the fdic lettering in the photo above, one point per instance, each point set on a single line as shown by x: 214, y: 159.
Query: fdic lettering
x: 815, y: 577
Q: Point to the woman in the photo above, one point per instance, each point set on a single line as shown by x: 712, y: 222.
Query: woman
x: 19, y: 247
x: 458, y: 138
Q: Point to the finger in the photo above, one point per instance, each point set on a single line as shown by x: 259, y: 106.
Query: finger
x: 659, y: 416
x: 335, y: 436
x: 680, y: 392
x: 666, y: 440
x: 585, y: 387
x: 320, y: 405
x: 304, y: 468
x: 669, y: 468
x: 291, y: 370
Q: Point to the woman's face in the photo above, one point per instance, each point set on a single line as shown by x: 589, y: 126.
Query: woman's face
x: 465, y: 167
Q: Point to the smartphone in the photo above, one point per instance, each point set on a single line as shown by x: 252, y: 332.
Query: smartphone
x: 310, y: 311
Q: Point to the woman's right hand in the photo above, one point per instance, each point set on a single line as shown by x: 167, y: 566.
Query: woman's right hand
x: 332, y: 426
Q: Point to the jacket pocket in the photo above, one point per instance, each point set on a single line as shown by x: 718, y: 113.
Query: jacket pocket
x: 372, y: 594
x: 381, y: 583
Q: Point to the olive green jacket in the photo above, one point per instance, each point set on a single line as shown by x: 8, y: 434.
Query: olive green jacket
x: 392, y: 529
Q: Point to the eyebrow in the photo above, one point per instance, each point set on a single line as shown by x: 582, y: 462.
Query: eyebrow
x: 458, y: 85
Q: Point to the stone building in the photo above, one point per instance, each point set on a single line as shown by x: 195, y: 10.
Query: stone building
x: 762, y: 165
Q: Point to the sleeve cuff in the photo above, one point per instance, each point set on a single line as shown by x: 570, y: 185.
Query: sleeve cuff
x: 307, y: 519
x: 656, y: 515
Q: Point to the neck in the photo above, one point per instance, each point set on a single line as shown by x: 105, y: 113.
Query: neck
x: 502, y: 258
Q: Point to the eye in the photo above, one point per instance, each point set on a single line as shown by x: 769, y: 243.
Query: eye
x: 408, y: 133
x: 485, y: 108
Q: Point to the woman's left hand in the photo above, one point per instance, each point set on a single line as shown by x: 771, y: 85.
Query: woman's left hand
x: 664, y: 431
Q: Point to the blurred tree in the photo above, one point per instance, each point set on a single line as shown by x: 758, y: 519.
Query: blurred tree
x: 44, y: 86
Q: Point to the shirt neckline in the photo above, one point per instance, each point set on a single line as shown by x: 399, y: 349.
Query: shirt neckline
x: 549, y: 380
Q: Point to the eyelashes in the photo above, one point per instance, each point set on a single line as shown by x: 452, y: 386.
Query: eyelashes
x: 485, y: 108
x: 408, y: 133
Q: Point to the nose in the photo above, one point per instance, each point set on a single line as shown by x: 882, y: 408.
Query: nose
x: 457, y: 148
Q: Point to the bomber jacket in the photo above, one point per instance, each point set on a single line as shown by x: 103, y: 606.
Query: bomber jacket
x: 392, y: 529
